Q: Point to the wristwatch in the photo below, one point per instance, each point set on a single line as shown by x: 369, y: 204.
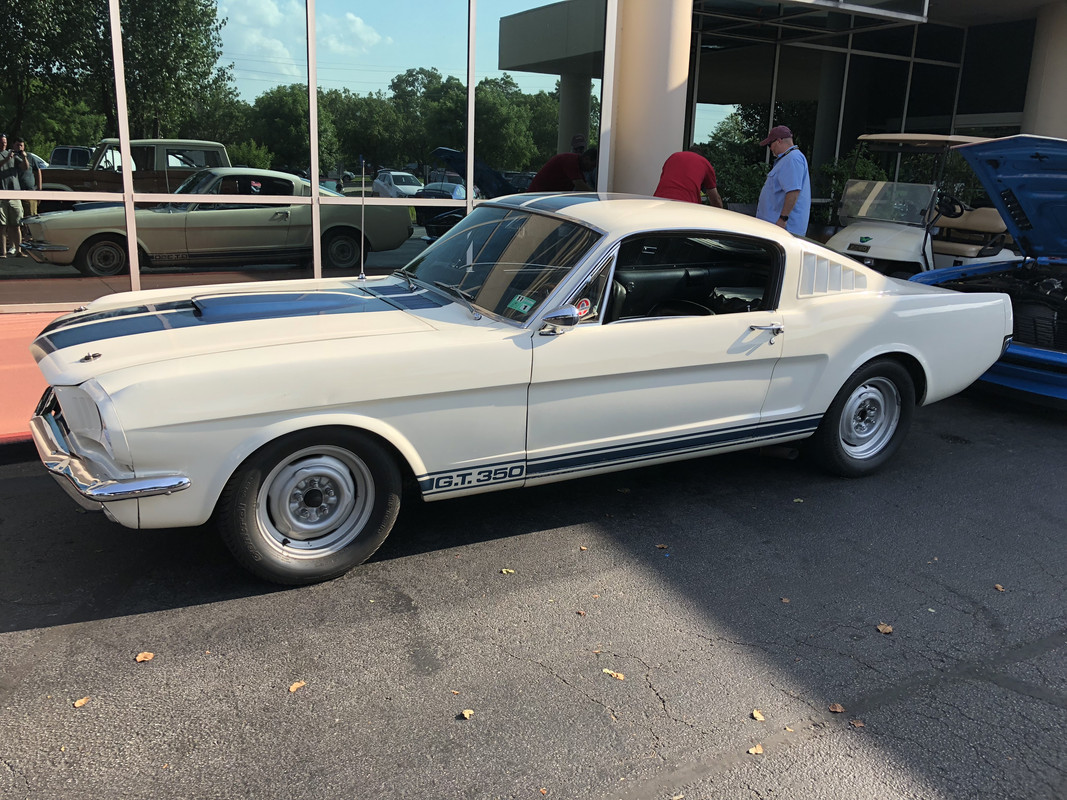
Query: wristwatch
x: 784, y: 216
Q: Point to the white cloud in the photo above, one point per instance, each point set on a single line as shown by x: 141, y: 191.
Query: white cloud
x: 350, y: 35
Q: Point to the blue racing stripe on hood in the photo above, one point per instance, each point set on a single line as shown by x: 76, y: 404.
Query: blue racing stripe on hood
x: 206, y: 310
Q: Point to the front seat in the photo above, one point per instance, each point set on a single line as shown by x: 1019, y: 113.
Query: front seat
x: 616, y: 301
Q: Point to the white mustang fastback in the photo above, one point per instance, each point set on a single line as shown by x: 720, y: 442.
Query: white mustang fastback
x: 545, y: 337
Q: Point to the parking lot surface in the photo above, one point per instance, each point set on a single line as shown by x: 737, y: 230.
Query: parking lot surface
x: 709, y: 629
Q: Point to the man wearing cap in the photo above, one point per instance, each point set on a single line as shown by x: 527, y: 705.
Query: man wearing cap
x: 786, y: 195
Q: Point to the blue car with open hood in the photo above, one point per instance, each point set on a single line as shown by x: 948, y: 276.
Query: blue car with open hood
x: 1026, y: 177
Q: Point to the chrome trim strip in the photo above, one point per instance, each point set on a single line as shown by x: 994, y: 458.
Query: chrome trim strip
x: 88, y: 479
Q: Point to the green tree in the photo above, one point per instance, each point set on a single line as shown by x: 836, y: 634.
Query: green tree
x: 738, y: 160
x: 279, y: 119
x: 544, y: 124
x: 502, y: 124
x: 170, y: 51
x: 250, y: 154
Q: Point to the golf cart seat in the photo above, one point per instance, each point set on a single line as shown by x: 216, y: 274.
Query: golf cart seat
x: 978, y: 233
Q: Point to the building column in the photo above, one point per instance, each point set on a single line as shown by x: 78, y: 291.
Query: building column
x: 1045, y: 112
x: 575, y: 92
x: 651, y: 77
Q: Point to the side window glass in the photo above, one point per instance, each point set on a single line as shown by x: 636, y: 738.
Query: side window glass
x: 696, y: 274
x: 589, y: 300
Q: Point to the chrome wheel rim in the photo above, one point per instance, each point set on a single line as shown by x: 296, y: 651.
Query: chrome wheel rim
x: 106, y: 259
x: 342, y: 252
x: 315, y: 502
x: 870, y: 417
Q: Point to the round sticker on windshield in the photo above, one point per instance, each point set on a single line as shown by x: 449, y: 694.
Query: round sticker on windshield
x: 582, y: 306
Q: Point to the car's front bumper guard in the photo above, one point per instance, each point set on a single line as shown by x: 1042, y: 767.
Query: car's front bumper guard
x: 36, y: 250
x: 89, y: 482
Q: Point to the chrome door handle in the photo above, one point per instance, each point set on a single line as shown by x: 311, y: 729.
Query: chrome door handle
x: 775, y: 328
x: 280, y: 215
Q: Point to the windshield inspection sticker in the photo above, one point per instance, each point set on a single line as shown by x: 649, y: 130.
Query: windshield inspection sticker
x: 522, y: 304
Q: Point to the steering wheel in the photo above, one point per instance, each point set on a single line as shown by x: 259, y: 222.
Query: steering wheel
x: 951, y: 207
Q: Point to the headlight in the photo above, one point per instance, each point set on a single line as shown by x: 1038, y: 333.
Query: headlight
x: 90, y: 415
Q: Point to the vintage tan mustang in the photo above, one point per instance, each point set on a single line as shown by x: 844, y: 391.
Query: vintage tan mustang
x: 197, y: 229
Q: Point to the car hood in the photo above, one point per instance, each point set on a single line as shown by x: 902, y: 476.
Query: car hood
x: 1026, y: 177
x: 151, y: 327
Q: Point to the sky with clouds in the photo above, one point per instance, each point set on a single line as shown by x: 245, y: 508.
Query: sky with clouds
x: 363, y: 44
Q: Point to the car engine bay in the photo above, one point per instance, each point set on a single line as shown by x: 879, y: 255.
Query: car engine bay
x: 1038, y: 298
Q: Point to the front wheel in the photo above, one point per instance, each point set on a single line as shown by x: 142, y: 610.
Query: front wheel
x: 310, y: 506
x: 867, y: 421
x: 102, y: 257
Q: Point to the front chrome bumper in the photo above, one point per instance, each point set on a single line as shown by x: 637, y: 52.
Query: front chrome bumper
x: 37, y: 250
x: 90, y: 482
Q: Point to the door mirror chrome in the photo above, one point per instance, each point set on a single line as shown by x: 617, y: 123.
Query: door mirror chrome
x: 563, y: 317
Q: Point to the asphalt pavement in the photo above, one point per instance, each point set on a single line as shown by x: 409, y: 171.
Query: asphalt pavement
x: 716, y: 628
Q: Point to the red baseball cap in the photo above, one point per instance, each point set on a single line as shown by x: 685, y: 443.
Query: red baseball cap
x: 777, y: 132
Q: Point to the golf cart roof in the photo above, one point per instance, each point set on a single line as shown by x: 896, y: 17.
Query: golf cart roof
x: 915, y: 142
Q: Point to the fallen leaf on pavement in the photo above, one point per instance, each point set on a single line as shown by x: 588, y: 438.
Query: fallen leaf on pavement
x: 757, y: 715
x: 998, y: 587
x: 883, y: 628
x: 785, y: 599
x: 661, y: 547
x: 798, y: 499
x: 146, y: 656
x: 837, y: 708
x: 789, y: 729
x: 80, y: 703
x: 581, y: 613
x: 856, y: 723
x: 454, y: 692
x: 506, y: 571
x: 297, y: 685
x: 755, y: 751
x: 616, y: 675
x: 544, y: 790
x: 583, y: 547
x: 467, y: 713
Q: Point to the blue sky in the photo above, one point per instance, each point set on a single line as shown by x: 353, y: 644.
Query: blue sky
x: 363, y: 44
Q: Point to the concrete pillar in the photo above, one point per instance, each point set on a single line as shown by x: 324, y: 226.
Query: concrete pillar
x: 1045, y: 112
x: 575, y: 92
x: 651, y: 76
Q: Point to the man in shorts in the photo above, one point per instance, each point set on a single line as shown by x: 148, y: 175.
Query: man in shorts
x: 10, y: 210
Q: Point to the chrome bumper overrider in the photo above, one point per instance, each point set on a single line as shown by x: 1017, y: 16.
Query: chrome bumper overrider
x: 91, y: 483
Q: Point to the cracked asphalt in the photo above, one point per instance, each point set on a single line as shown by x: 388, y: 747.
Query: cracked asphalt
x: 681, y: 588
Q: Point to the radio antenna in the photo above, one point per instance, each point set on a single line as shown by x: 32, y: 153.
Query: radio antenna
x: 362, y: 215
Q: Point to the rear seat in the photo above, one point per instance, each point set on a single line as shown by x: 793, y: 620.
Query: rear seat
x: 649, y: 291
x: 977, y: 234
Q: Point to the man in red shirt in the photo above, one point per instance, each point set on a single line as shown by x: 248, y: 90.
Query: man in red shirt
x: 684, y: 175
x: 565, y: 173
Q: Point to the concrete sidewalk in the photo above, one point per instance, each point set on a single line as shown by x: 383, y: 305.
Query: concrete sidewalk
x: 21, y: 384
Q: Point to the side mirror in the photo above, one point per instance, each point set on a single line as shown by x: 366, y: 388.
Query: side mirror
x: 564, y: 317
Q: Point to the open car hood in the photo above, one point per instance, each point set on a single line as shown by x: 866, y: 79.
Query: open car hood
x: 1026, y: 177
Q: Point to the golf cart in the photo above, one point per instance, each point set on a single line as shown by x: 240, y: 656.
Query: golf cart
x: 902, y: 228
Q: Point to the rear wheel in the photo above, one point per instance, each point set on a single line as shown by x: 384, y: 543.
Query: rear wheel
x: 103, y: 256
x: 867, y: 421
x: 342, y: 249
x: 310, y: 506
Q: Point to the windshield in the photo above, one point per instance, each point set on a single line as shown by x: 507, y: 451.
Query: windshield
x: 887, y: 201
x: 504, y: 261
x: 400, y: 179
